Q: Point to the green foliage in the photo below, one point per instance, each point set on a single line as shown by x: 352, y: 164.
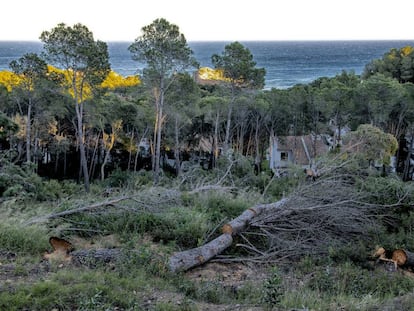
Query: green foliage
x: 88, y: 290
x: 23, y: 183
x: 372, y: 143
x: 354, y: 252
x: 237, y: 63
x: 389, y: 190
x: 185, y: 227
x: 220, y: 207
x: 214, y: 291
x: 182, y: 306
x: 273, y: 289
x: 180, y: 225
x: 7, y: 126
x: 347, y: 279
x: 23, y: 239
x: 162, y: 47
x: 397, y: 63
x: 73, y: 48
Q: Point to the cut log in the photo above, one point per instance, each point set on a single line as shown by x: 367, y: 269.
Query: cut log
x: 94, y: 257
x: 182, y: 261
x: 185, y: 260
x: 240, y: 223
x: 403, y: 257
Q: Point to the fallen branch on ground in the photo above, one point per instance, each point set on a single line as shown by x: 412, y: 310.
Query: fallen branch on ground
x: 88, y: 208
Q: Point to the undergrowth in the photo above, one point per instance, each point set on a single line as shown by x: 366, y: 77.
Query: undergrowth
x: 158, y: 221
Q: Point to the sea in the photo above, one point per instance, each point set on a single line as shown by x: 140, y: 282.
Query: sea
x: 287, y: 63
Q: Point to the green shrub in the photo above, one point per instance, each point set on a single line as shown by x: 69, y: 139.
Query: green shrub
x: 222, y: 206
x: 22, y: 182
x: 27, y: 240
x: 273, y: 289
x: 186, y: 227
x: 348, y: 279
x: 183, y: 226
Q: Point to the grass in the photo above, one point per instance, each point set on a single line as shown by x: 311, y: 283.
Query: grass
x: 157, y: 229
x: 22, y: 239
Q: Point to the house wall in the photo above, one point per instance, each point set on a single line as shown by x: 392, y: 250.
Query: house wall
x: 275, y: 160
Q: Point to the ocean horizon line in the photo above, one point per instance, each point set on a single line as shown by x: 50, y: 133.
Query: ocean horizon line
x: 252, y: 40
x: 287, y: 63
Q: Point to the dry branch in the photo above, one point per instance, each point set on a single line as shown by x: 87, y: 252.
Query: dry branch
x: 149, y: 199
x: 330, y: 212
x: 88, y: 208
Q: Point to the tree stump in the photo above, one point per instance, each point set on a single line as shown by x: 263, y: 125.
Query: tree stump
x: 403, y: 258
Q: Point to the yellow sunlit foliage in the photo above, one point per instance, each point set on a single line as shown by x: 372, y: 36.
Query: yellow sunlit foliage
x: 207, y: 73
x: 9, y: 79
x: 21, y: 122
x: 114, y: 80
x: 406, y: 50
x: 86, y: 90
x: 109, y: 139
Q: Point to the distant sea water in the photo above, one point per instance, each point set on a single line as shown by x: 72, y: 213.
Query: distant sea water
x: 287, y: 63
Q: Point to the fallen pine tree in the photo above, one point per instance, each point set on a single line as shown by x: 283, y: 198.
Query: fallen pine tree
x: 328, y: 213
x: 185, y: 260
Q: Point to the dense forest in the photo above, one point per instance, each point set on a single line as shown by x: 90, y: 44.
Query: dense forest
x: 175, y: 153
x: 84, y: 115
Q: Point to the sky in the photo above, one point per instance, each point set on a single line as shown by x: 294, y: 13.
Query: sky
x: 215, y: 20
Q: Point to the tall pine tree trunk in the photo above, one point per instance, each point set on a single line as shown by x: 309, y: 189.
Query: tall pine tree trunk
x: 257, y: 159
x: 82, y: 151
x: 228, y: 127
x: 28, y: 131
x: 215, y: 141
x: 407, y: 164
x: 177, y: 149
x: 158, y: 132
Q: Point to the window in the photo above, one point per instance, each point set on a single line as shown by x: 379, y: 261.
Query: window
x: 284, y: 156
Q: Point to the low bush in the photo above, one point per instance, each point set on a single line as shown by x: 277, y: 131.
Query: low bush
x: 221, y: 207
x: 350, y: 280
x: 273, y: 289
x: 22, y: 239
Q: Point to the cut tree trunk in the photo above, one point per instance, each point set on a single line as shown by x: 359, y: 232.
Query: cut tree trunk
x: 403, y: 257
x: 185, y: 260
x: 94, y: 257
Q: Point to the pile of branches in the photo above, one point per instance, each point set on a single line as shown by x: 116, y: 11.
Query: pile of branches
x: 330, y: 212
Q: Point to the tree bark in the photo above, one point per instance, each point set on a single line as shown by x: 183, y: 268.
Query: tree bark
x: 158, y: 133
x: 215, y: 150
x: 228, y: 127
x: 406, y: 172
x: 185, y: 260
x: 177, y: 148
x: 83, y: 160
x: 28, y: 131
x: 188, y: 259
